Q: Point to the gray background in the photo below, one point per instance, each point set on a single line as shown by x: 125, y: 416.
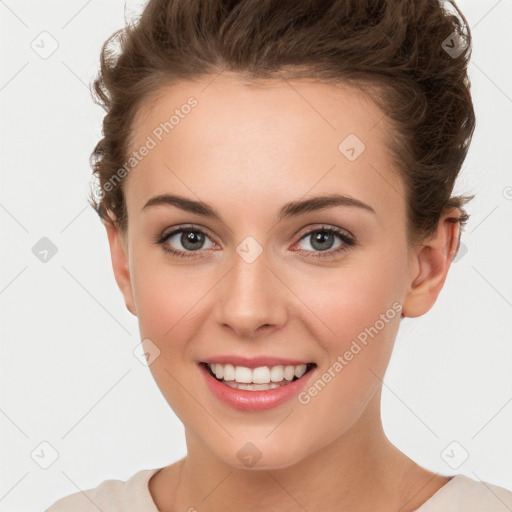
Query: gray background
x: 78, y: 407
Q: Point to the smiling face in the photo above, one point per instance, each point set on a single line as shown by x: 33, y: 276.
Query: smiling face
x: 258, y: 278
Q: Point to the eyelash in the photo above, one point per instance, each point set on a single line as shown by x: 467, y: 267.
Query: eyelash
x: 348, y: 242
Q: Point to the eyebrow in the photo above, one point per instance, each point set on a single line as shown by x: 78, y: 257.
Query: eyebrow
x: 291, y: 209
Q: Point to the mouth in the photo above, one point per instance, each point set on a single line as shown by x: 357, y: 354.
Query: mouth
x: 262, y: 378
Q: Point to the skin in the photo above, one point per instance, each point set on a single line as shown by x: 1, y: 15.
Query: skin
x: 247, y: 150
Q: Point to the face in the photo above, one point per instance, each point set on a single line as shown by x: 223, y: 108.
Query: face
x: 250, y: 282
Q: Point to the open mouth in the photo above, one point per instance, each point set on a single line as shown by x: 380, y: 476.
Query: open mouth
x: 263, y: 386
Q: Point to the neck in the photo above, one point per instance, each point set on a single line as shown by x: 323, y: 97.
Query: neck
x: 358, y: 471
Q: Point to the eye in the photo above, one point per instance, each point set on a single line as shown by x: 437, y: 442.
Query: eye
x: 192, y: 239
x: 323, y: 239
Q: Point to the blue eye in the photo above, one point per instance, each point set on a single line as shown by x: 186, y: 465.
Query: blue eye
x: 192, y: 239
x: 323, y: 239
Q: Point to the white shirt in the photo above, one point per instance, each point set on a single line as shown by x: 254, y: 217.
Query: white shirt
x: 460, y: 494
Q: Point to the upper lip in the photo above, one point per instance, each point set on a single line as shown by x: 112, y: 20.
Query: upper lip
x: 254, y: 362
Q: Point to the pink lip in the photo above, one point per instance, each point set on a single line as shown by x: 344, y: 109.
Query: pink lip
x: 254, y: 362
x: 245, y: 400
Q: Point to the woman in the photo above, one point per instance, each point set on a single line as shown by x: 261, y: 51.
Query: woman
x: 240, y: 139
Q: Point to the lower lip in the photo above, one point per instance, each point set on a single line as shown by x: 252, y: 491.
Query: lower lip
x: 245, y: 400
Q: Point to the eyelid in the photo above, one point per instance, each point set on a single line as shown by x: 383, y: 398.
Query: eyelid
x: 167, y: 233
x: 321, y: 227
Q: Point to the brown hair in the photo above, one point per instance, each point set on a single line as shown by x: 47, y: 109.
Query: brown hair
x: 411, y: 57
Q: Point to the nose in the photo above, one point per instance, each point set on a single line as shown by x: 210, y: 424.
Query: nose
x: 251, y: 299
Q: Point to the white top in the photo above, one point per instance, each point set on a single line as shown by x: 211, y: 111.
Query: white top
x: 460, y: 494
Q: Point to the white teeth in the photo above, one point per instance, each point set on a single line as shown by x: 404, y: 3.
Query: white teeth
x: 228, y: 371
x: 260, y: 375
x: 243, y: 374
x: 219, y: 370
x: 253, y: 387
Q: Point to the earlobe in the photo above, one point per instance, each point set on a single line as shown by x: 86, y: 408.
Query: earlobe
x: 120, y: 265
x: 431, y: 264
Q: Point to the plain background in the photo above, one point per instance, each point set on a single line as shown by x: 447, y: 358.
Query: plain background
x: 75, y: 398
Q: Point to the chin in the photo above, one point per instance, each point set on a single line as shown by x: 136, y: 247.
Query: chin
x: 265, y: 454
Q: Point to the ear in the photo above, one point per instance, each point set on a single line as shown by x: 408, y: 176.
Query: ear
x: 430, y: 263
x: 119, y: 256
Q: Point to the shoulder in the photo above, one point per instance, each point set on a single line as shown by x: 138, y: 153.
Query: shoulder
x: 463, y: 494
x: 112, y: 495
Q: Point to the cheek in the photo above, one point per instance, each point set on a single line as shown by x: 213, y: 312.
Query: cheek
x: 343, y: 302
x: 354, y: 316
x: 164, y: 296
x: 360, y: 318
x: 167, y: 303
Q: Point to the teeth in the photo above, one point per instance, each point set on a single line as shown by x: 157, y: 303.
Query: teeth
x: 260, y: 375
x: 253, y: 387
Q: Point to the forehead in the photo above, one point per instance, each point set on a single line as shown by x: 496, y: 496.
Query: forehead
x: 272, y: 138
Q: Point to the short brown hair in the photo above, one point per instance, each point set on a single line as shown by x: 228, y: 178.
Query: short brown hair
x: 397, y: 51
